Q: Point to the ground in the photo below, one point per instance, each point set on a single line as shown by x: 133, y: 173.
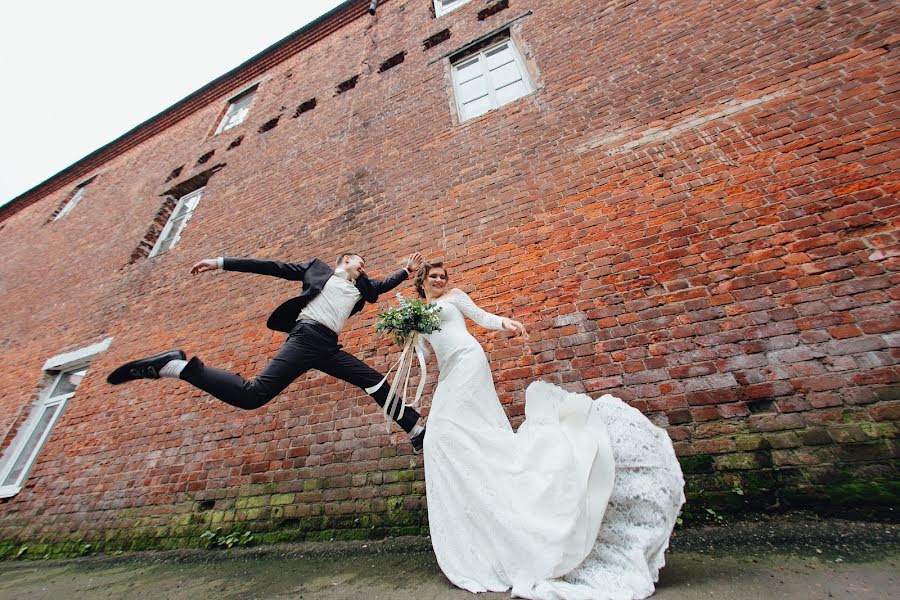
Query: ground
x: 789, y: 557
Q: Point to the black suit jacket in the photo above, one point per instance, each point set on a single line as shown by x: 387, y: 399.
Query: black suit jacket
x: 313, y: 273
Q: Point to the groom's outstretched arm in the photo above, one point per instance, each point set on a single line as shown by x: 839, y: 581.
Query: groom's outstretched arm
x: 413, y: 264
x: 273, y: 268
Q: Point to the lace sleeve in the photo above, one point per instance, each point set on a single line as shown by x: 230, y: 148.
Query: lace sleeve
x: 483, y: 318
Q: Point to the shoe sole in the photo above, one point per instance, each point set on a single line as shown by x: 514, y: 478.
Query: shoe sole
x: 123, y: 373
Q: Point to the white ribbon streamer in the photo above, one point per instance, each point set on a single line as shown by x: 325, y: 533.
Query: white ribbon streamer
x: 401, y: 379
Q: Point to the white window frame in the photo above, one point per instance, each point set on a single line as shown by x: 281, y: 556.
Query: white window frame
x: 75, y: 199
x: 192, y: 199
x: 237, y: 113
x: 62, y: 365
x: 442, y: 8
x: 481, y: 58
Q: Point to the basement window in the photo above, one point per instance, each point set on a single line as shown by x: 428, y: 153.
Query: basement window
x: 489, y: 78
x: 238, y: 109
x: 63, y: 374
x: 442, y: 7
x: 181, y: 214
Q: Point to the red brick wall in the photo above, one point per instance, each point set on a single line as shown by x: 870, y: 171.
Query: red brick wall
x: 695, y: 211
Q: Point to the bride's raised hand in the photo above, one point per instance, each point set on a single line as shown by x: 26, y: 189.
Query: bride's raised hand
x: 515, y: 327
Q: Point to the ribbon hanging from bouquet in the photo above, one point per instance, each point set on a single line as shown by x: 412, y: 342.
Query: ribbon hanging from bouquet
x: 403, y: 366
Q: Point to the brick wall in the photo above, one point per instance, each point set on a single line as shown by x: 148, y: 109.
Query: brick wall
x: 695, y: 211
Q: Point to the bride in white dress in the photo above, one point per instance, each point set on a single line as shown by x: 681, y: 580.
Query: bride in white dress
x: 579, y: 503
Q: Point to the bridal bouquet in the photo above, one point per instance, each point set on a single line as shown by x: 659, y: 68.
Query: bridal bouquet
x: 412, y: 316
x: 405, y: 322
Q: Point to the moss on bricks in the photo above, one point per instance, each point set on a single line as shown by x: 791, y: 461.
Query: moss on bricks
x: 698, y: 463
x: 879, y: 430
x: 280, y: 499
x: 751, y: 442
x: 742, y: 461
x: 312, y: 484
x: 885, y: 493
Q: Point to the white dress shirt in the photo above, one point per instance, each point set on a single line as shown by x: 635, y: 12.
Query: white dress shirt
x: 334, y: 303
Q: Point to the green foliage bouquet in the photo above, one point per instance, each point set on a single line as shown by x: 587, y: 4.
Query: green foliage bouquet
x: 411, y: 316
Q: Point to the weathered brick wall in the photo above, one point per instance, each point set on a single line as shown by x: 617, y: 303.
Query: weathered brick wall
x: 695, y: 211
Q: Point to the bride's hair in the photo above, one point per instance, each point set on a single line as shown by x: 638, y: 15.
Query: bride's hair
x: 423, y: 273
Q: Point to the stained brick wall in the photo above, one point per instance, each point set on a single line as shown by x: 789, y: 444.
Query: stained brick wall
x: 695, y: 211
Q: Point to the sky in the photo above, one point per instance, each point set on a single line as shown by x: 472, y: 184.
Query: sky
x: 77, y: 75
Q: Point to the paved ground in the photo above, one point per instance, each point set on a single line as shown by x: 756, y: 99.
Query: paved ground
x: 779, y: 558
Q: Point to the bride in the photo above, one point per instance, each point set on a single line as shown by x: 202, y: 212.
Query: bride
x: 579, y: 503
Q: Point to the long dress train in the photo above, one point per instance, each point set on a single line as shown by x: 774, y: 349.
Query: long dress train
x: 579, y: 503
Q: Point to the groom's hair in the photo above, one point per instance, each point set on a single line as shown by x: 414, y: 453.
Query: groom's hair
x: 423, y: 273
x: 343, y: 255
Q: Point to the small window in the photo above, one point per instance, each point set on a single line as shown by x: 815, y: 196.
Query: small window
x: 238, y: 109
x: 442, y: 7
x: 489, y: 79
x: 24, y: 449
x: 72, y: 201
x: 181, y: 214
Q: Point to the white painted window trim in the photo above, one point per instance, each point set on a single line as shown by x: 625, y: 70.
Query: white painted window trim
x: 167, y: 230
x: 440, y: 10
x: 62, y: 363
x: 481, y: 57
x: 75, y: 199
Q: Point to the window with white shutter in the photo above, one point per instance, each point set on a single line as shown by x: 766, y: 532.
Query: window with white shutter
x: 442, y: 7
x: 22, y: 452
x: 489, y: 79
x: 175, y: 225
x: 238, y: 109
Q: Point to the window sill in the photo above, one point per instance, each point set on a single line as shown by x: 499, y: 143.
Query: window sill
x: 9, y: 491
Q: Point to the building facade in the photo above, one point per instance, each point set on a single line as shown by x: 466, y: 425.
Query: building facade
x: 691, y: 205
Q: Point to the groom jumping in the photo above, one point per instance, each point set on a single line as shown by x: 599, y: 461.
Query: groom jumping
x: 312, y: 321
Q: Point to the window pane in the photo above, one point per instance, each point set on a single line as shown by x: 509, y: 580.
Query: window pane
x: 498, y: 56
x: 505, y: 75
x: 68, y: 382
x: 165, y: 245
x: 176, y: 229
x: 511, y: 92
x: 72, y: 202
x: 24, y: 459
x: 235, y: 116
x: 183, y: 210
x: 472, y: 90
x: 180, y: 211
x: 476, y: 107
x: 242, y: 102
x: 193, y: 198
x: 445, y: 6
x: 468, y: 71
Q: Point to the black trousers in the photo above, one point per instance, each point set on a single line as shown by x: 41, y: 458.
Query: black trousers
x: 309, y: 346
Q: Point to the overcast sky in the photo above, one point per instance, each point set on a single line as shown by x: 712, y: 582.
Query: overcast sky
x: 78, y: 74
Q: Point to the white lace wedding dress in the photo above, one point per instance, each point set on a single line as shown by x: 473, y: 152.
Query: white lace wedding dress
x: 579, y: 503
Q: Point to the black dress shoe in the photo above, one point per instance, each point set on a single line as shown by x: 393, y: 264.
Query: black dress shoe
x: 418, y: 441
x: 143, y: 368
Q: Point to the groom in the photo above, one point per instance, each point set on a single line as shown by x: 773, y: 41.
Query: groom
x: 312, y: 321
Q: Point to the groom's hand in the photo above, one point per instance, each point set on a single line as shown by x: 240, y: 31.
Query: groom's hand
x: 210, y: 264
x: 413, y: 263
